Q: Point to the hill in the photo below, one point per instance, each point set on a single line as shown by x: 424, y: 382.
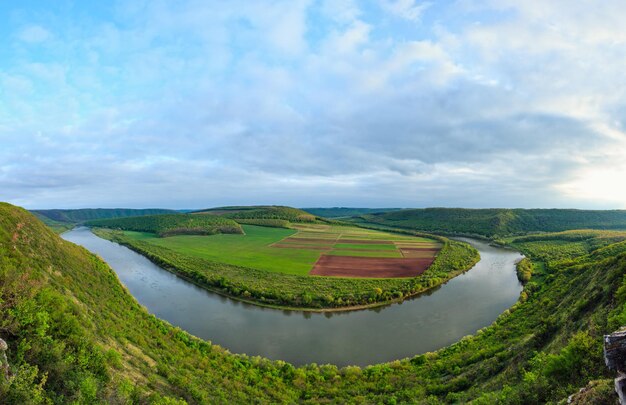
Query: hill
x: 87, y: 214
x: 75, y: 334
x: 498, y: 222
x: 260, y: 212
x: 343, y: 212
x: 171, y: 224
x: 56, y: 226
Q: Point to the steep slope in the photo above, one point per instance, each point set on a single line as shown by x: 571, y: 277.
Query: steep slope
x: 75, y: 334
x: 498, y: 222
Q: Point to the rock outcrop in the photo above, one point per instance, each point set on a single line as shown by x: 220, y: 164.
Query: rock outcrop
x: 4, y: 363
x: 615, y: 359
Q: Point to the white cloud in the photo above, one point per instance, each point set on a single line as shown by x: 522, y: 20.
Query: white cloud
x: 33, y: 34
x: 407, y: 9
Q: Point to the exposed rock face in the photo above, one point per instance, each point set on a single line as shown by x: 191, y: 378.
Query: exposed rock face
x: 615, y: 359
x: 4, y: 363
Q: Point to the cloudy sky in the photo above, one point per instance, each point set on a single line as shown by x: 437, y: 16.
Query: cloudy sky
x: 404, y: 103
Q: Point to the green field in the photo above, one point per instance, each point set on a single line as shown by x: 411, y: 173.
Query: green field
x: 249, y: 250
x: 290, y: 251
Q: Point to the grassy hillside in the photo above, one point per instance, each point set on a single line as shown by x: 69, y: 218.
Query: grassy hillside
x: 86, y: 214
x: 498, y: 222
x: 344, y: 212
x: 76, y: 335
x: 171, y: 224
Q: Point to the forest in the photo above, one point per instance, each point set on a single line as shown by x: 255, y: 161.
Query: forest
x: 171, y: 224
x: 495, y: 223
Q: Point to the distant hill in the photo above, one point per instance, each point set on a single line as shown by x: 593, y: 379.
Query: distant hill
x: 87, y: 214
x: 498, y: 222
x: 341, y: 212
x: 256, y: 212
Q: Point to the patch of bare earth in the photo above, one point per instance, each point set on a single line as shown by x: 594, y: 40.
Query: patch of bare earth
x: 370, y: 267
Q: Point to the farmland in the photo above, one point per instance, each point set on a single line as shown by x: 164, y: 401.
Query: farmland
x: 298, y: 250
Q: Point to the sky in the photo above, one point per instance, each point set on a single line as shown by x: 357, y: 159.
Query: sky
x: 382, y: 103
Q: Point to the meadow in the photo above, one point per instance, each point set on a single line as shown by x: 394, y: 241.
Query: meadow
x: 250, y: 249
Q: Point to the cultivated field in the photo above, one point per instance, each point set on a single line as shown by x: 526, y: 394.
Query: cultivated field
x: 315, y: 249
x: 355, y: 252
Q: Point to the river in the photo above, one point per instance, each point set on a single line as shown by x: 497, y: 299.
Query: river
x: 418, y: 325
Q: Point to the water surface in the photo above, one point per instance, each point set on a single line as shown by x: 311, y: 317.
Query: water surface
x: 425, y: 323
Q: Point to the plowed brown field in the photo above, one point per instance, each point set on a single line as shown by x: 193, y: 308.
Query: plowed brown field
x: 370, y: 267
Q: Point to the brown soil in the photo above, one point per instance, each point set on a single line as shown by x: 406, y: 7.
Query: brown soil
x: 369, y: 267
x: 417, y: 255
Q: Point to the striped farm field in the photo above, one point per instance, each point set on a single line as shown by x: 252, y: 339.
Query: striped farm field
x: 357, y: 252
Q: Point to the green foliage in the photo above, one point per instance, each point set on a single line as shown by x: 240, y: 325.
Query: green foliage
x: 524, y: 270
x: 261, y: 212
x: 498, y: 222
x: 272, y: 223
x: 87, y: 214
x: 171, y: 224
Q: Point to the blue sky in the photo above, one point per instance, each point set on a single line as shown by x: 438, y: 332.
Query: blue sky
x: 406, y: 103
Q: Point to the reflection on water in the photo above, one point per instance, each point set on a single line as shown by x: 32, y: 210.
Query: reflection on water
x: 425, y: 323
